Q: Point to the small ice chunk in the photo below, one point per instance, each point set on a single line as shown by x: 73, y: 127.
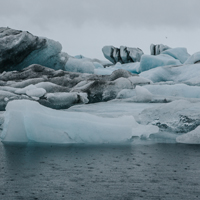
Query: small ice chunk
x: 79, y: 65
x: 6, y: 99
x: 37, y: 92
x: 98, y: 65
x: 123, y: 83
x: 126, y: 93
x: 25, y: 89
x: 83, y: 97
x: 142, y: 94
x: 62, y: 97
x: 139, y: 94
x: 136, y: 80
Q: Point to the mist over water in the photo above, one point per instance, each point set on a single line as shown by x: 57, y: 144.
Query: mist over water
x: 140, y: 171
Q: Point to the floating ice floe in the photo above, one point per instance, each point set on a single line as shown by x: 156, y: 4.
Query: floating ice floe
x: 28, y: 121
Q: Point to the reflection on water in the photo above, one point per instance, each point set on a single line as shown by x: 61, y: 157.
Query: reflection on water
x: 148, y: 171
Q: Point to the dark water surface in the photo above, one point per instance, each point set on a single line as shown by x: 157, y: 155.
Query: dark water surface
x: 148, y: 171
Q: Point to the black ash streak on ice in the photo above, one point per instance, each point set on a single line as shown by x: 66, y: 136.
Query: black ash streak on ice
x: 146, y: 171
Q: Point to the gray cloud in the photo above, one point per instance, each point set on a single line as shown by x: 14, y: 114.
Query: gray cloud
x: 136, y: 13
x: 85, y: 26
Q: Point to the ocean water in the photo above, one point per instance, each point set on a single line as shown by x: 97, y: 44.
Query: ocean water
x: 140, y: 171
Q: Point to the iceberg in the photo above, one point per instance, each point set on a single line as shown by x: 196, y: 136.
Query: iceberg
x: 16, y: 46
x: 28, y: 121
x: 140, y: 94
x: 149, y: 62
x: 188, y: 74
x: 79, y: 65
x: 158, y: 48
x: 19, y: 49
x: 193, y: 59
x: 108, y: 51
x: 131, y: 67
x: 122, y: 54
x: 180, y: 54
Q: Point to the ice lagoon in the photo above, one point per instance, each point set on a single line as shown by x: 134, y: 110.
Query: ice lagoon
x: 142, y: 171
x: 73, y: 127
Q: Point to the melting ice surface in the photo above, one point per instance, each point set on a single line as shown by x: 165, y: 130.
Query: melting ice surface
x: 28, y: 121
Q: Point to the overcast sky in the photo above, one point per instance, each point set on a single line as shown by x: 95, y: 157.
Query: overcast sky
x: 85, y: 26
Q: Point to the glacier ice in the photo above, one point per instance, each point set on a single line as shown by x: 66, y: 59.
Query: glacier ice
x: 122, y: 54
x: 137, y: 80
x: 140, y: 94
x: 129, y: 54
x: 149, y: 62
x: 131, y: 67
x: 25, y: 89
x: 79, y: 65
x: 98, y: 88
x: 195, y: 58
x: 188, y: 74
x: 16, y: 46
x: 66, y: 98
x: 63, y: 100
x: 192, y: 137
x: 179, y: 53
x: 36, y: 93
x: 19, y: 49
x: 28, y: 121
x: 158, y: 48
x: 161, y: 91
x: 126, y: 93
x: 177, y: 90
x: 179, y: 116
x: 97, y: 63
x: 32, y: 91
x: 49, y: 56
